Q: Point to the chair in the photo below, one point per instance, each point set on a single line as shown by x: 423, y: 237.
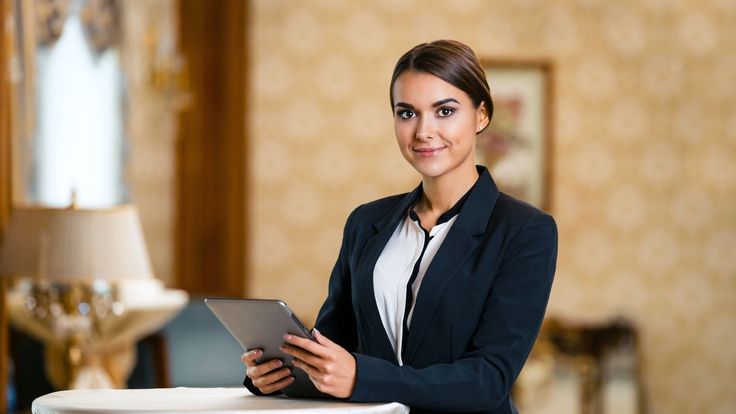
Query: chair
x: 597, y: 361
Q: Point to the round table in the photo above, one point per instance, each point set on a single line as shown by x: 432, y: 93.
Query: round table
x: 194, y: 400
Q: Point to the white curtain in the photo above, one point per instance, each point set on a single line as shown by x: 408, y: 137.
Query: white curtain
x: 79, y: 135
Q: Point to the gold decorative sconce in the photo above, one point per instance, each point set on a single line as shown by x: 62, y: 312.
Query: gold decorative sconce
x: 168, y: 69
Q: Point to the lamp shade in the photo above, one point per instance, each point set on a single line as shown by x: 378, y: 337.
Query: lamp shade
x: 69, y: 244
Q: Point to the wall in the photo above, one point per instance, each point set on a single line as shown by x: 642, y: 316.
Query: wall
x: 644, y: 180
x: 151, y: 130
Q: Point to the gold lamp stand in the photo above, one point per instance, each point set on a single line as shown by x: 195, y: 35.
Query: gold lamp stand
x: 83, y: 285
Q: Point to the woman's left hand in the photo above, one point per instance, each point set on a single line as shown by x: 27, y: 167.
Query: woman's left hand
x: 330, y: 367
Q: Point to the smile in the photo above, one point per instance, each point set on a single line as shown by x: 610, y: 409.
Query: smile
x: 428, y: 152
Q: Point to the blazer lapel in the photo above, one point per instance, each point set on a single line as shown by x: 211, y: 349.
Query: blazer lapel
x: 364, y: 272
x: 459, y: 244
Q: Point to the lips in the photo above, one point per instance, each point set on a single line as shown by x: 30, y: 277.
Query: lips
x: 428, y: 152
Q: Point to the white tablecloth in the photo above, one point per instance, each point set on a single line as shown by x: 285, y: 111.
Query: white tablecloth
x: 193, y: 400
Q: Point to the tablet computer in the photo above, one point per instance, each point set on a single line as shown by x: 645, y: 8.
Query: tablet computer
x: 261, y: 323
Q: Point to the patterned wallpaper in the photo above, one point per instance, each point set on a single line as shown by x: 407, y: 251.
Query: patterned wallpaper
x: 151, y: 130
x: 644, y: 164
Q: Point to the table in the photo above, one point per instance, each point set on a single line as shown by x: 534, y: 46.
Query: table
x: 194, y: 400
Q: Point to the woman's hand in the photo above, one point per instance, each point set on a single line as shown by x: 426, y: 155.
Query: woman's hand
x: 330, y: 367
x: 267, y: 376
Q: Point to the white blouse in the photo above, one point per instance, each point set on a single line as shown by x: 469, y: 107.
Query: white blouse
x: 405, y: 260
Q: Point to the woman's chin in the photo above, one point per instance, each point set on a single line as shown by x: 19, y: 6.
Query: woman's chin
x: 442, y: 166
x: 430, y: 169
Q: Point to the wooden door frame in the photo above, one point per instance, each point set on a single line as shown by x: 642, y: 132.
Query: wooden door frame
x: 210, y: 170
x: 5, y: 187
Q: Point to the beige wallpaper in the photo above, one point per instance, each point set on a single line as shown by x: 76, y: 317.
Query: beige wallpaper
x: 151, y: 129
x: 644, y: 180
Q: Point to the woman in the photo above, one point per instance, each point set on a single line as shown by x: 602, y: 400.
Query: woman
x: 437, y: 295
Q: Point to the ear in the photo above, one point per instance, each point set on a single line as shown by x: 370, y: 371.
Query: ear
x: 481, y: 118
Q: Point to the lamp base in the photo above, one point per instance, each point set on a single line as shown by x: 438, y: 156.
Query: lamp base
x: 106, y: 358
x: 108, y: 369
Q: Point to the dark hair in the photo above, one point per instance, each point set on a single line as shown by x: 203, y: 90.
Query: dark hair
x: 451, y: 61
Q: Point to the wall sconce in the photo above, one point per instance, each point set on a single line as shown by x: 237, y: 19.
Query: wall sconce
x: 168, y: 70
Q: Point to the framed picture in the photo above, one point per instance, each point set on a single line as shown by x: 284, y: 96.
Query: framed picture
x: 516, y: 145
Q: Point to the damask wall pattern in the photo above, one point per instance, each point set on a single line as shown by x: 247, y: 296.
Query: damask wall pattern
x: 150, y: 130
x: 644, y: 158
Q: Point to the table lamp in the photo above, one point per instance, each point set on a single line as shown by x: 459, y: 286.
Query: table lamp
x: 83, y: 284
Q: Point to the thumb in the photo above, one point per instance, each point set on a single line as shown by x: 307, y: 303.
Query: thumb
x: 323, y: 340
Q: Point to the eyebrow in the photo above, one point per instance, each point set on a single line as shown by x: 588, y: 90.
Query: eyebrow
x: 434, y: 105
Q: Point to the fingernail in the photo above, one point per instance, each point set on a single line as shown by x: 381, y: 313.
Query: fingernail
x: 287, y: 337
x: 282, y: 347
x: 316, y: 331
x: 277, y: 364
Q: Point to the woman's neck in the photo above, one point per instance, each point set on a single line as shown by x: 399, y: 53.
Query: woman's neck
x: 441, y: 193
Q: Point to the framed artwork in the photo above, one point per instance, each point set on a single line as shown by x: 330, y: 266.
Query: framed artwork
x: 516, y: 145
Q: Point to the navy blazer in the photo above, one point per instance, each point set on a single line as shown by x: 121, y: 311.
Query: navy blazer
x: 477, y: 313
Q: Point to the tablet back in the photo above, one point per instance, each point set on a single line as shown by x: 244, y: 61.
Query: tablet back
x: 261, y: 323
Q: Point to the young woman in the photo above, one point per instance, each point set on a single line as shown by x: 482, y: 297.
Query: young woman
x: 438, y: 294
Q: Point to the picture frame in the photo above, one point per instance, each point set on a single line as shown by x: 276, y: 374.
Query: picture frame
x: 516, y: 146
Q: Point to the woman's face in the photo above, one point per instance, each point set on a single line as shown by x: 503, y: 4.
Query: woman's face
x: 435, y: 124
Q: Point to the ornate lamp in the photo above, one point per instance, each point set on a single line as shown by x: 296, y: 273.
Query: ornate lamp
x: 84, y: 286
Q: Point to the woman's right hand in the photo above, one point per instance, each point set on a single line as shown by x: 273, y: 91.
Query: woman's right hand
x: 269, y: 376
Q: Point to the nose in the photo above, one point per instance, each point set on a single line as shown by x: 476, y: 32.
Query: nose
x: 425, y: 129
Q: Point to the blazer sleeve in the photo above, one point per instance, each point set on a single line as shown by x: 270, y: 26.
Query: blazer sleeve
x: 482, y: 378
x: 336, y: 318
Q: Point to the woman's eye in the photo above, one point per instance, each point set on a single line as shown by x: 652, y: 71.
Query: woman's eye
x: 446, y: 112
x: 406, y: 114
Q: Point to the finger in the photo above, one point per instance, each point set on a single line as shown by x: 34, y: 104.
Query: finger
x: 318, y: 385
x: 277, y: 386
x: 307, y: 344
x: 325, y: 341
x: 272, y: 377
x: 301, y: 354
x: 259, y: 370
x: 251, y: 355
x: 312, y: 371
